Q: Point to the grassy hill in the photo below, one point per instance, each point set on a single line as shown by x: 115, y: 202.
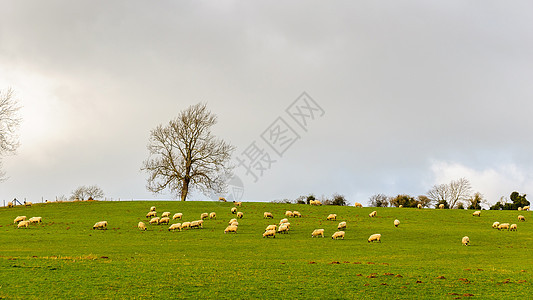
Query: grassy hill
x: 422, y: 258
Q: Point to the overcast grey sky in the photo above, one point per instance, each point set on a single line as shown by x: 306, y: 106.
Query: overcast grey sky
x: 413, y: 93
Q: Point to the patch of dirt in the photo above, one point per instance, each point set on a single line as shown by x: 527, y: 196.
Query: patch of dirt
x: 370, y: 263
x: 383, y: 283
x: 334, y: 263
x: 346, y: 262
x: 388, y: 274
x: 371, y: 276
x: 419, y: 281
x: 357, y: 262
x: 468, y: 295
x: 441, y: 277
x: 359, y: 275
x: 453, y: 294
x: 312, y: 262
x: 398, y: 275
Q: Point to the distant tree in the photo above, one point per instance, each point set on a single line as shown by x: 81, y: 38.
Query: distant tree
x: 309, y: 198
x: 423, y: 200
x: 475, y: 201
x: 300, y: 200
x: 446, y: 206
x: 500, y: 204
x: 9, y: 123
x: 460, y: 205
x: 339, y: 200
x: 452, y: 193
x: 379, y: 200
x: 184, y: 153
x: 518, y: 200
x: 87, y: 192
x: 403, y: 200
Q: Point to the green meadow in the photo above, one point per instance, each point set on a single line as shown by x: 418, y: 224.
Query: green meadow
x: 423, y: 258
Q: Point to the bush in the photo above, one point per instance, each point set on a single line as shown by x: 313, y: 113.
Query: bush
x: 446, y: 206
x: 339, y: 200
x: 379, y: 200
x: 404, y: 200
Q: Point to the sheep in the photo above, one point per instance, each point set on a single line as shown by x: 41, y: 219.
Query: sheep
x: 283, y: 228
x: 441, y: 206
x: 401, y: 206
x: 232, y: 220
x: 195, y: 224
x: 271, y: 227
x: 271, y: 233
x: 204, y: 216
x: 201, y: 223
x: 19, y: 219
x: 23, y: 224
x: 495, y: 224
x: 10, y: 204
x: 283, y: 221
x: 27, y: 203
x: 234, y: 224
x: 177, y: 216
x: 342, y: 225
x: 100, y: 225
x: 186, y: 225
x: 521, y: 218
x: 165, y: 214
x: 165, y: 220
x: 238, y: 203
x: 222, y: 199
x: 338, y: 235
x: 233, y: 210
x: 465, y: 240
x: 151, y: 214
x: 240, y: 214
x: 296, y: 214
x: 526, y: 207
x: 317, y: 232
x: 513, y: 227
x: 152, y: 208
x: 154, y: 220
x: 36, y: 220
x: 357, y: 204
x: 287, y: 224
x: 520, y: 209
x: 231, y: 229
x: 374, y: 237
x: 503, y: 226
x: 477, y: 213
x: 289, y: 214
x: 311, y: 202
x: 332, y: 217
x: 315, y: 202
x: 175, y: 226
x: 396, y: 223
x: 373, y: 214
x: 212, y: 215
x: 141, y: 226
x: 267, y: 215
x: 419, y: 206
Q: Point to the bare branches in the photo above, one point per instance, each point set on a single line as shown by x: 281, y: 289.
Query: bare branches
x: 9, y: 122
x: 452, y: 193
x: 185, y: 152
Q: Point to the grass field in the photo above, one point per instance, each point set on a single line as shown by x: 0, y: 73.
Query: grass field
x: 421, y: 259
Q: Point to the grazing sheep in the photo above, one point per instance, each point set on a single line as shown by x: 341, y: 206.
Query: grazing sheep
x: 342, y: 225
x: 234, y: 223
x: 465, y: 241
x: 521, y: 218
x: 271, y: 227
x: 373, y: 214
x: 233, y: 210
x: 317, y: 232
x: 267, y: 215
x: 23, y: 224
x: 240, y: 214
x: 213, y: 215
x: 332, y: 217
x: 283, y: 221
x: 477, y: 213
x: 238, y: 203
x: 173, y: 227
x: 419, y: 205
x: 204, y: 216
x: 19, y: 219
x: 141, y: 226
x: 100, y: 225
x: 154, y: 220
x: 283, y: 228
x: 201, y: 222
x: 396, y: 223
x: 441, y: 206
x: 151, y: 214
x: 526, y: 207
x: 232, y: 220
x: 166, y: 214
x: 315, y: 202
x: 357, y: 204
x: 152, y: 208
x: 36, y: 220
x: 271, y: 233
x: 296, y: 214
x: 503, y: 226
x: 177, y: 216
x: 186, y: 225
x: 513, y: 227
x: 195, y: 224
x: 222, y: 199
x: 10, y: 204
x: 27, y: 203
x: 374, y: 237
x: 231, y: 229
x: 338, y: 235
x: 401, y: 206
x: 495, y: 224
x: 520, y: 209
x: 289, y: 214
x: 165, y: 220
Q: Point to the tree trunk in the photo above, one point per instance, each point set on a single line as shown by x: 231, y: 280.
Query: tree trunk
x: 185, y: 189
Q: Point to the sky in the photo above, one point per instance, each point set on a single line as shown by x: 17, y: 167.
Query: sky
x: 348, y: 97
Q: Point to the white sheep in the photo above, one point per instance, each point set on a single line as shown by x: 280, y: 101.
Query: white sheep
x: 513, y: 227
x: 357, y: 204
x: 175, y: 226
x: 317, y: 232
x: 465, y: 240
x: 503, y: 226
x: 338, y: 235
x: 165, y: 214
x: 374, y: 237
x: 10, y: 204
x: 526, y: 207
x: 271, y: 227
x: 23, y: 224
x: 477, y: 213
x: 373, y: 214
x: 283, y: 221
x: 268, y: 215
x: 332, y: 217
x: 283, y: 228
x: 231, y: 229
x: 165, y: 220
x: 186, y: 225
x: 232, y: 220
x: 296, y: 214
x: 238, y: 203
x: 204, y: 216
x: 177, y: 216
x: 419, y: 206
x: 289, y: 214
x: 315, y: 202
x: 401, y: 206
x: 152, y: 208
x: 27, y: 203
x: 233, y: 210
x: 397, y: 223
x: 141, y: 226
x: 195, y: 224
x: 100, y: 225
x: 521, y: 218
x: 342, y: 225
x: 520, y: 209
x: 271, y: 233
x: 212, y: 215
x: 240, y: 214
x: 234, y: 224
x: 151, y: 214
x: 19, y: 219
x: 36, y: 220
x: 495, y: 224
x: 154, y: 220
x: 441, y: 206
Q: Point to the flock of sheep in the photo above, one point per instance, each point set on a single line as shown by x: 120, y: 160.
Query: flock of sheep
x: 23, y: 223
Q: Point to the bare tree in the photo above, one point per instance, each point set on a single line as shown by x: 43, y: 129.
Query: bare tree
x: 184, y: 153
x: 379, y: 200
x: 87, y: 192
x: 9, y: 122
x: 452, y: 193
x: 438, y: 193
